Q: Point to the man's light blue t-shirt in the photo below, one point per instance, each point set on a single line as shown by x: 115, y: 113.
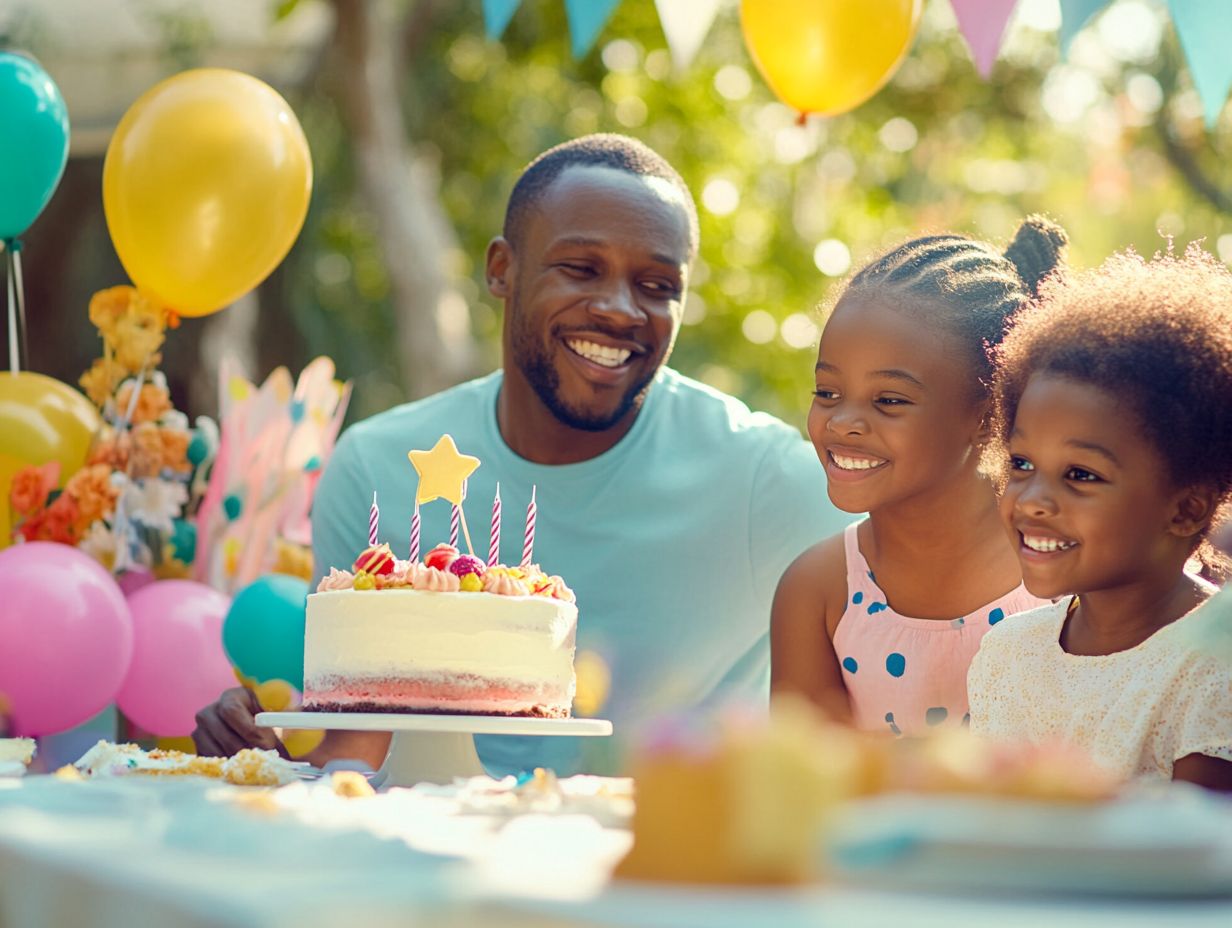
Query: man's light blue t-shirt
x: 673, y: 540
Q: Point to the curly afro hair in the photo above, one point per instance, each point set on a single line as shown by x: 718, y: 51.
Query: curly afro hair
x: 1157, y: 334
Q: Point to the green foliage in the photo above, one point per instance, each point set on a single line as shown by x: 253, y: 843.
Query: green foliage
x: 937, y: 149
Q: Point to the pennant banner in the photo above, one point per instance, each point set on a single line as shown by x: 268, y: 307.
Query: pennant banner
x: 685, y: 27
x: 586, y: 20
x: 496, y: 16
x: 1075, y: 16
x: 1202, y: 28
x: 982, y: 23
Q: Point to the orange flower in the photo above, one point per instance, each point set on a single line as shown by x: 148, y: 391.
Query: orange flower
x: 147, y: 450
x: 152, y: 402
x: 111, y: 450
x: 93, y: 493
x: 100, y: 380
x: 175, y: 449
x: 55, y: 523
x: 30, y: 487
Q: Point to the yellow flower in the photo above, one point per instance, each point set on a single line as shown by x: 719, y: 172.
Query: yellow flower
x: 172, y: 568
x: 293, y: 559
x: 100, y: 380
x: 131, y: 325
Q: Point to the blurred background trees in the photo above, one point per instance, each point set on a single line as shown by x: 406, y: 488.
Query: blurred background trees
x: 419, y: 126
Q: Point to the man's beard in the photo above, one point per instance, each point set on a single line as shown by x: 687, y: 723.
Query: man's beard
x: 534, y: 360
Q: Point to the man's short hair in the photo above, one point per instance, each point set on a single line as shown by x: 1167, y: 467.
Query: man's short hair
x: 601, y: 150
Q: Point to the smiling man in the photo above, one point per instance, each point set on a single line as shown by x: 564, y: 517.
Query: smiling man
x: 669, y: 508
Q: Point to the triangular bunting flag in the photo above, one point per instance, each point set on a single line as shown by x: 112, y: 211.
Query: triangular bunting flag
x: 586, y: 20
x: 1200, y: 25
x: 982, y: 23
x: 496, y: 16
x: 1075, y: 16
x: 685, y: 26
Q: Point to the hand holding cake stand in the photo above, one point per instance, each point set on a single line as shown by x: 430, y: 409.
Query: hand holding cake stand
x: 432, y: 748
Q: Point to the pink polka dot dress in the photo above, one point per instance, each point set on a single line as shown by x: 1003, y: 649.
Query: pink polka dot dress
x: 907, y: 675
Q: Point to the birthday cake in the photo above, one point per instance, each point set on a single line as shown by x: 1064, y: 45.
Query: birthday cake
x: 449, y: 634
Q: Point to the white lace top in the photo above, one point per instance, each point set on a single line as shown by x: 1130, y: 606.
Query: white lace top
x: 1136, y: 712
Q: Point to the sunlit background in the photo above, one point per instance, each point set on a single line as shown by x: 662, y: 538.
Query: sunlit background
x: 419, y: 125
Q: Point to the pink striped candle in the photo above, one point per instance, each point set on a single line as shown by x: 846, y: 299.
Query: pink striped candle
x: 415, y: 533
x: 528, y: 542
x: 494, y: 533
x: 374, y: 517
x: 455, y: 519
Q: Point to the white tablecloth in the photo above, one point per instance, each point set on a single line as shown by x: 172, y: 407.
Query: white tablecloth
x: 134, y: 852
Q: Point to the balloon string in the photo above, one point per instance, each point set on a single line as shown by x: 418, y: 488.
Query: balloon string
x: 19, y: 287
x: 121, y: 529
x: 14, y: 358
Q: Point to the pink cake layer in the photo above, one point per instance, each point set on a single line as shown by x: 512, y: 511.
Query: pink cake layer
x: 458, y: 695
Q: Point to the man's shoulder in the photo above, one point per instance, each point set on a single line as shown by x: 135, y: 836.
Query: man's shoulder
x: 425, y: 419
x: 709, y: 413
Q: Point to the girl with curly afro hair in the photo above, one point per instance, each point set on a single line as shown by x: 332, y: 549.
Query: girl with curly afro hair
x: 1113, y: 415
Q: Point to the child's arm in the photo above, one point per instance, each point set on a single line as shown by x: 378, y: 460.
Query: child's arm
x: 1211, y: 772
x: 807, y: 604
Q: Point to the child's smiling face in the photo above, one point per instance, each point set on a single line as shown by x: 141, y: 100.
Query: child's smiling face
x: 896, y: 411
x: 1089, y: 503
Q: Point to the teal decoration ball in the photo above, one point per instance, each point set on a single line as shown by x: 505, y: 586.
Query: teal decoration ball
x: 198, y: 448
x: 184, y: 539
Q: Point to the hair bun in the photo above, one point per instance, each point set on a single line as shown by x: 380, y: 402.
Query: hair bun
x: 1036, y: 250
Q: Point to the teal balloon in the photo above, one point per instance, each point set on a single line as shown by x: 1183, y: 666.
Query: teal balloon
x: 263, y: 632
x: 33, y: 141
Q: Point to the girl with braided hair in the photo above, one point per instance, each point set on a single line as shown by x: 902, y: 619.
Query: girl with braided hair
x: 878, y: 625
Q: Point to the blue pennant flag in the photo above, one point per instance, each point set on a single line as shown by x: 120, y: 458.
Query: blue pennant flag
x: 1202, y: 28
x: 1075, y: 16
x: 586, y: 20
x: 496, y: 16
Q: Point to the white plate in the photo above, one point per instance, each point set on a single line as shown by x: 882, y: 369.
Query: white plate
x: 1172, y: 846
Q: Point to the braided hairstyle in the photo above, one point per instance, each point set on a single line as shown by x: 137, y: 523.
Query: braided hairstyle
x: 965, y: 284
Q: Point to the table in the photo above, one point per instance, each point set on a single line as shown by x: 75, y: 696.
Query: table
x: 125, y: 853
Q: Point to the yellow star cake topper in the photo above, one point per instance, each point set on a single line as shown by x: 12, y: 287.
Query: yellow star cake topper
x: 442, y: 472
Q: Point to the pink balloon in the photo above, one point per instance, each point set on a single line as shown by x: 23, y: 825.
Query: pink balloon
x: 178, y: 664
x: 66, y: 636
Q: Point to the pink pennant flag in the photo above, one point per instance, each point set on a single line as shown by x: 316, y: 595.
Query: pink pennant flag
x: 982, y: 23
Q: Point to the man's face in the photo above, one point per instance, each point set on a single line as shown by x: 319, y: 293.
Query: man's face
x: 594, y: 292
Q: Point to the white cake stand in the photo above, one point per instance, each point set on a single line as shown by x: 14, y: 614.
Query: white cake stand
x: 432, y: 748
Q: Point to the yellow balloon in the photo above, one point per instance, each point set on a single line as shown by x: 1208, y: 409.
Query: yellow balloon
x: 826, y: 57
x: 41, y: 420
x: 205, y: 188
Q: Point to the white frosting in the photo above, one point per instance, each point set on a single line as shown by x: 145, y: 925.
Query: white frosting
x: 398, y: 633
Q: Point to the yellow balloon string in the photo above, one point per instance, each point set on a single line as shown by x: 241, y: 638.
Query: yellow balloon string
x: 13, y: 247
x: 14, y: 361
